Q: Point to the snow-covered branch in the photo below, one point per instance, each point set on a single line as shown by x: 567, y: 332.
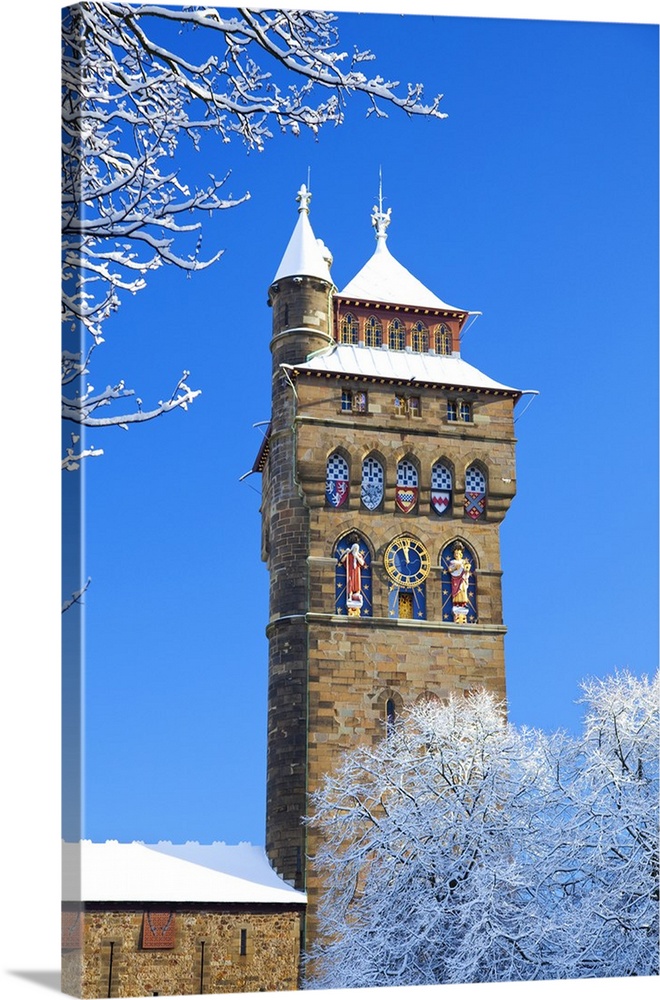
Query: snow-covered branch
x: 80, y: 409
x: 76, y: 598
x: 74, y: 456
x: 133, y: 91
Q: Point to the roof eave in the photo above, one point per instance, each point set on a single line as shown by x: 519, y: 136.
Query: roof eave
x: 296, y: 370
x: 373, y: 303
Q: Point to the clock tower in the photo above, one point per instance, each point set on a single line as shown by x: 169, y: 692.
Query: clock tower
x: 387, y: 470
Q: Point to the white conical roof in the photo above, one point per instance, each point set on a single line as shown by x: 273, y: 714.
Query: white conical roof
x: 384, y: 279
x: 305, y: 255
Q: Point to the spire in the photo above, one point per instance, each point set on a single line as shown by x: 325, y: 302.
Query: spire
x: 380, y: 220
x: 383, y: 278
x: 305, y: 255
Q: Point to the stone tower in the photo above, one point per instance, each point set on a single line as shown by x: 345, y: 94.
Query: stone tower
x: 388, y: 468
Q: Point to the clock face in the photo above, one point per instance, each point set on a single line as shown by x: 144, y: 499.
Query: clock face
x: 407, y: 561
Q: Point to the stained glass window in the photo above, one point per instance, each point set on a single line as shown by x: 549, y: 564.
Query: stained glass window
x: 373, y: 332
x: 348, y: 329
x: 396, y: 335
x: 420, y: 337
x: 355, y: 402
x: 360, y: 402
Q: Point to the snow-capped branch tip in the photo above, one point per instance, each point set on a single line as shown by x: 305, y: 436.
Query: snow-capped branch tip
x: 76, y: 598
x: 80, y: 409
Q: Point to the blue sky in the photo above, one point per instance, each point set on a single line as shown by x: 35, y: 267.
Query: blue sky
x: 534, y: 202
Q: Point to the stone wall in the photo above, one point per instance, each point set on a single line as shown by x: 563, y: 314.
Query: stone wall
x: 206, y: 958
x: 357, y: 665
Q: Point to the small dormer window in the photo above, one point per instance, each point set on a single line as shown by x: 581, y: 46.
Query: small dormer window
x: 396, y: 335
x: 348, y: 329
x: 443, y: 344
x: 373, y: 332
x: 420, y: 337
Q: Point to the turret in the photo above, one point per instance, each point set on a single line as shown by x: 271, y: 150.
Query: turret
x: 301, y: 294
x: 301, y: 299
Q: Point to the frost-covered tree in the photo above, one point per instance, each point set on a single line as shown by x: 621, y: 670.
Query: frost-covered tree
x: 614, y: 800
x: 132, y: 93
x: 461, y: 849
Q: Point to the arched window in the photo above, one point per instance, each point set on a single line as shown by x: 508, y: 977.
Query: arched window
x: 336, y: 480
x: 441, y: 487
x: 373, y: 332
x: 373, y: 483
x: 396, y: 333
x: 390, y: 716
x: 420, y: 337
x: 407, y: 486
x: 353, y: 577
x: 459, y: 586
x: 348, y: 329
x: 475, y: 492
x: 443, y: 344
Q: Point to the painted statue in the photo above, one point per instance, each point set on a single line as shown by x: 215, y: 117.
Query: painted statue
x: 354, y: 561
x: 459, y: 569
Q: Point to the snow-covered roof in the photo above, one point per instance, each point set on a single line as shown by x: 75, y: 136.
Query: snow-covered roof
x: 165, y: 872
x: 384, y: 279
x: 402, y: 366
x: 304, y: 255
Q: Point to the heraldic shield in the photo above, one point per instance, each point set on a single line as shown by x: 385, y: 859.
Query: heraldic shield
x: 440, y: 500
x: 475, y: 504
x: 406, y: 498
x: 336, y: 491
x: 336, y: 481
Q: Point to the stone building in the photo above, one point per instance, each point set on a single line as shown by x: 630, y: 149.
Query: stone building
x: 169, y: 920
x: 387, y: 470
